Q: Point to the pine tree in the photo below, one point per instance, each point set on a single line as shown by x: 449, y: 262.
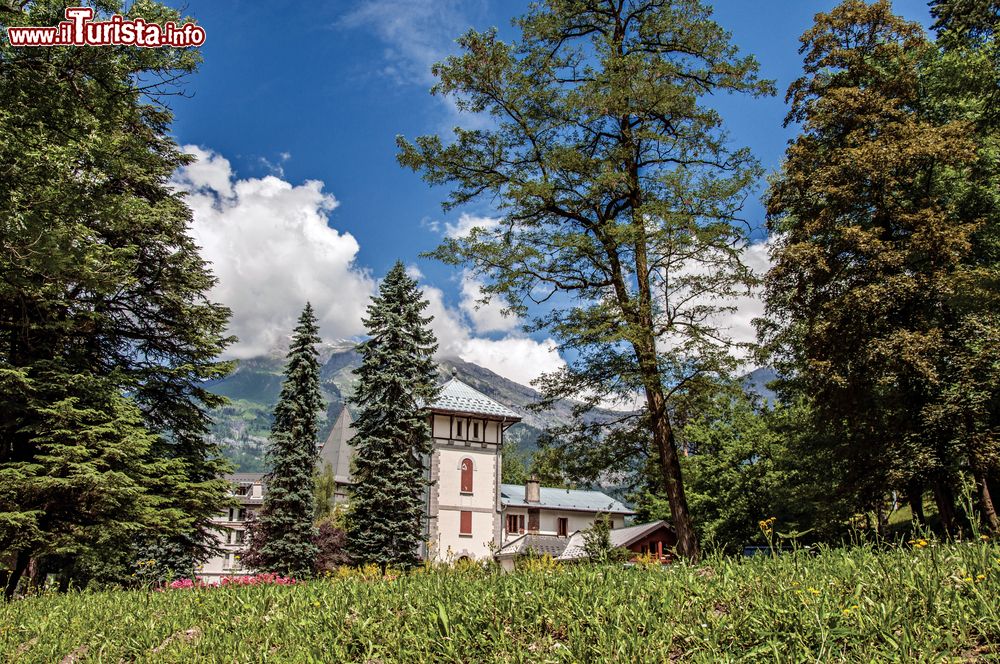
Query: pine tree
x: 282, y: 537
x: 619, y: 193
x: 92, y: 482
x: 396, y: 381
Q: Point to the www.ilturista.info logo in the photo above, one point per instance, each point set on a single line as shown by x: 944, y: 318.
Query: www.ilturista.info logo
x: 80, y: 30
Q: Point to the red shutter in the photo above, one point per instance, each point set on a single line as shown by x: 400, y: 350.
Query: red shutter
x: 466, y: 475
x: 465, y: 523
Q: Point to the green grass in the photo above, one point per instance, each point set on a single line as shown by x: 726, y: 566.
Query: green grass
x: 938, y: 603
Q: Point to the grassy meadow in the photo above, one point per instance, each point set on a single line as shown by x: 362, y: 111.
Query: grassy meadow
x: 927, y: 602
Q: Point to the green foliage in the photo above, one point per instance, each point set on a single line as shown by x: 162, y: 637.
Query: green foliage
x: 397, y: 379
x: 513, y: 469
x: 597, y: 543
x: 100, y: 281
x: 94, y: 482
x: 930, y: 604
x: 325, y: 491
x: 618, y: 191
x: 282, y: 537
x: 885, y: 220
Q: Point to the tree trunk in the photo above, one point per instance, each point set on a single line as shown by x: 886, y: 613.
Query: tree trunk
x: 989, y: 516
x: 21, y: 564
x: 946, y: 507
x: 915, y: 496
x: 670, y: 468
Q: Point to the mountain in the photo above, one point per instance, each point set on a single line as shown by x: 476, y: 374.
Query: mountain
x: 757, y: 381
x: 241, y: 427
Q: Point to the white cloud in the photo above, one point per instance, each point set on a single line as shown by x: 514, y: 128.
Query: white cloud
x: 272, y: 250
x: 739, y: 323
x: 416, y: 33
x: 487, y: 317
x: 466, y: 222
x: 516, y: 357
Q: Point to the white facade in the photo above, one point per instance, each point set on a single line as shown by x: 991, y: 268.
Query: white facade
x: 230, y: 534
x: 464, y: 502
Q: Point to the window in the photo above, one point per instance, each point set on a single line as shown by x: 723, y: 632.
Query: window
x: 239, y: 536
x: 243, y: 490
x: 466, y: 475
x: 241, y: 514
x: 475, y: 429
x: 465, y: 524
x: 458, y: 429
x: 562, y: 526
x: 515, y: 523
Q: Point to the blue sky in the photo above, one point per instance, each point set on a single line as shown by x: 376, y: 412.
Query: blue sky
x: 298, y: 194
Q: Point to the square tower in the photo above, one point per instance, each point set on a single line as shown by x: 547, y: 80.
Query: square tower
x: 464, y: 509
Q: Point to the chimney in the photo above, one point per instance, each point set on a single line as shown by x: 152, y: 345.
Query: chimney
x: 532, y: 490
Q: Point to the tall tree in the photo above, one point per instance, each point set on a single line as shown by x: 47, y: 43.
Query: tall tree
x: 98, y: 273
x: 962, y: 84
x: 282, y: 537
x: 619, y: 192
x: 396, y: 382
x: 871, y: 250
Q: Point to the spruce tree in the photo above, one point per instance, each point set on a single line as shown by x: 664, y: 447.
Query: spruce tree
x: 100, y: 279
x: 283, y: 536
x: 397, y: 379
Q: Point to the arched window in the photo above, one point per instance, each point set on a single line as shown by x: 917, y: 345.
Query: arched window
x: 466, y: 475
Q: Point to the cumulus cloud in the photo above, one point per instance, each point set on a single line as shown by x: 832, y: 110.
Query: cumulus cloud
x: 271, y: 246
x: 516, y: 357
x: 739, y: 323
x: 272, y: 249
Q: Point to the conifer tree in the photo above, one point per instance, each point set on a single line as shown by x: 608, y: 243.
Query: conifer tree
x: 397, y: 379
x: 282, y: 538
x: 100, y: 279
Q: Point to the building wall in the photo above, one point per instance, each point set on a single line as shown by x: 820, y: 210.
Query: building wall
x: 548, y: 521
x: 231, y: 534
x: 448, y: 501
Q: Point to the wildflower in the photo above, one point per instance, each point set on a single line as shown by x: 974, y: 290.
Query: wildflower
x: 980, y: 577
x: 967, y: 579
x: 918, y: 543
x: 985, y: 538
x: 814, y: 591
x: 767, y: 525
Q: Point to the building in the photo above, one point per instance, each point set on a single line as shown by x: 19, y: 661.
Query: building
x: 248, y: 490
x: 337, y: 452
x: 653, y: 540
x: 470, y: 513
